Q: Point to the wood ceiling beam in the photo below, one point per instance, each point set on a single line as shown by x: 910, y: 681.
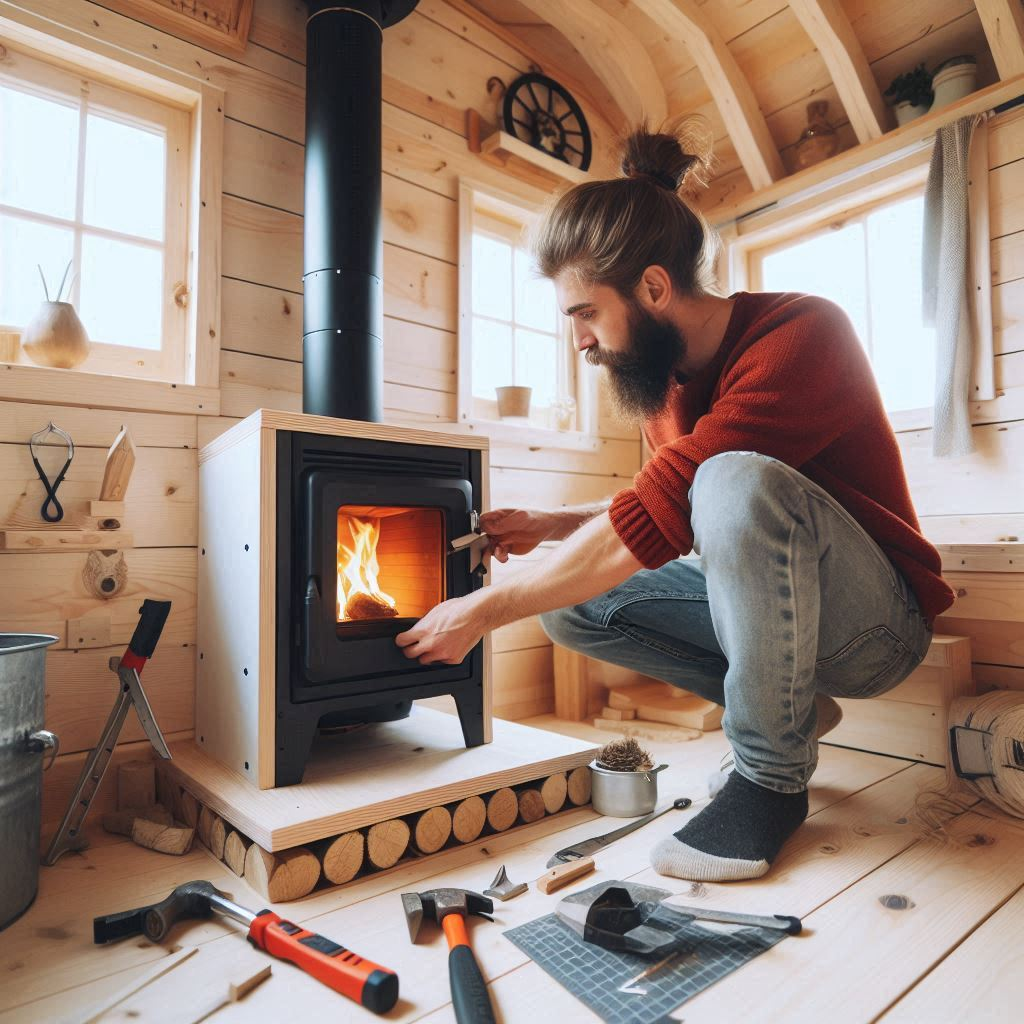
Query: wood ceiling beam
x: 614, y: 54
x: 830, y: 30
x: 1003, y: 22
x: 690, y: 26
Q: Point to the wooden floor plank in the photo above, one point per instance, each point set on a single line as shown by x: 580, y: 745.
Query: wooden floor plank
x: 981, y: 980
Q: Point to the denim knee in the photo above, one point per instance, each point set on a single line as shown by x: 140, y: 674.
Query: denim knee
x: 567, y: 627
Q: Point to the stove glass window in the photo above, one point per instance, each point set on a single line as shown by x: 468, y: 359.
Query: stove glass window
x: 391, y: 563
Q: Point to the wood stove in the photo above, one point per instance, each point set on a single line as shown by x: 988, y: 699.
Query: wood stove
x: 320, y: 540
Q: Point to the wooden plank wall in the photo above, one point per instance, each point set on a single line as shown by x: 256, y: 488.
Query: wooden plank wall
x: 436, y: 65
x: 980, y: 497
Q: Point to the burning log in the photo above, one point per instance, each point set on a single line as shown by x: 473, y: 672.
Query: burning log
x: 368, y: 606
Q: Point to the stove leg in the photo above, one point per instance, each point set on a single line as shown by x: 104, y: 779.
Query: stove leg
x: 470, y: 705
x: 294, y: 740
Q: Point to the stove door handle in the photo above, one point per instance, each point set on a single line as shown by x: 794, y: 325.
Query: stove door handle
x: 313, y: 627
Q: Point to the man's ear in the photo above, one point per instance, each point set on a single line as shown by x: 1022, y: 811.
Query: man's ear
x: 654, y: 292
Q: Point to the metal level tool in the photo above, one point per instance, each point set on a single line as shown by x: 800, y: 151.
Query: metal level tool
x: 153, y: 615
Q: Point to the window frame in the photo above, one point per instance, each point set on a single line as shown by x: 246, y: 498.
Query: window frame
x: 48, y: 81
x: 197, y: 390
x: 480, y: 415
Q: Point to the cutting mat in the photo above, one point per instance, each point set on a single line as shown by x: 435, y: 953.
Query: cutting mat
x: 595, y: 976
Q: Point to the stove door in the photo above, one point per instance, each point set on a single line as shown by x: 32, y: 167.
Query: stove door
x: 376, y: 558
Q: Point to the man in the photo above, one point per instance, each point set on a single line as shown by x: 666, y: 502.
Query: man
x: 773, y: 460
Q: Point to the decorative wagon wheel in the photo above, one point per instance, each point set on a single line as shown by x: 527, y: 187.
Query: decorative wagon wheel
x: 541, y: 112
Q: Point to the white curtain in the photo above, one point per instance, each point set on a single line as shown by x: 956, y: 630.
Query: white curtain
x: 946, y: 242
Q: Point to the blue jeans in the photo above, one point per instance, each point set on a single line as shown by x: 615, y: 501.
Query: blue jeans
x: 790, y: 597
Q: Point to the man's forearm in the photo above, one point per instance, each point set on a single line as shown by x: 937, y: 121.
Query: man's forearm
x: 568, y: 520
x: 590, y: 562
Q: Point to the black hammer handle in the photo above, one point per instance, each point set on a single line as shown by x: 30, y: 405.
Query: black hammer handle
x: 470, y: 1000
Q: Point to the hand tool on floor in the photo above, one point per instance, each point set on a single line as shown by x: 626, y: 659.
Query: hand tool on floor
x: 449, y: 908
x: 587, y: 847
x: 563, y: 874
x: 56, y: 513
x: 363, y: 981
x: 152, y: 616
x: 502, y: 888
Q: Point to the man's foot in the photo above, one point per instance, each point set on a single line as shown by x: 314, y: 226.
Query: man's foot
x: 736, y: 836
x: 830, y: 714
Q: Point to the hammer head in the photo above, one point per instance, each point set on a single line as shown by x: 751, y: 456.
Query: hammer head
x: 189, y: 900
x: 436, y: 904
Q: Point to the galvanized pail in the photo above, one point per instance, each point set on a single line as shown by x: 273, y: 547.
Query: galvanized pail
x: 22, y: 743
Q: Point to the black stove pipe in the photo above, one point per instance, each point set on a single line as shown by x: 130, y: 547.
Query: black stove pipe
x: 343, y: 304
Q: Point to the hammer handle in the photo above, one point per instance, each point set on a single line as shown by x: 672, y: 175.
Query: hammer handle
x: 470, y: 1000
x: 363, y: 981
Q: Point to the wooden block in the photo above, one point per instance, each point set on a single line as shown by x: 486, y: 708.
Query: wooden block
x: 914, y: 731
x: 235, y: 847
x: 64, y: 540
x: 117, y: 472
x: 571, y: 685
x: 564, y: 874
x: 502, y: 809
x: 531, y: 805
x: 281, y: 877
x: 691, y: 712
x: 386, y: 842
x: 578, y: 786
x: 432, y: 829
x: 162, y: 838
x: 89, y: 632
x: 343, y: 857
x: 106, y: 509
x: 468, y: 819
x: 189, y: 809
x: 120, y: 822
x: 136, y: 785
x: 625, y: 698
x: 648, y: 730
x: 554, y: 792
x: 618, y: 714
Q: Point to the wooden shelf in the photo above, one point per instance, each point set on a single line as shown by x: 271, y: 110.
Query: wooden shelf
x: 529, y: 164
x: 860, y: 158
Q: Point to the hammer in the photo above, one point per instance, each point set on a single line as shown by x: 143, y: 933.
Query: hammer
x: 449, y: 908
x: 363, y: 981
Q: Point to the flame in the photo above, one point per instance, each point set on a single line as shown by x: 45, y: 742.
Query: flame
x: 357, y: 562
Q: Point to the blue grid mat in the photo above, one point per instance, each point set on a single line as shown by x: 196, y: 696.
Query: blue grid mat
x: 595, y: 976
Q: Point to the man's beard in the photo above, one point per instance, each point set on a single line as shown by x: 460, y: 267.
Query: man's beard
x: 641, y: 377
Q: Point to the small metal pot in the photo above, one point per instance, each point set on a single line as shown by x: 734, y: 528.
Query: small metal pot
x: 623, y: 794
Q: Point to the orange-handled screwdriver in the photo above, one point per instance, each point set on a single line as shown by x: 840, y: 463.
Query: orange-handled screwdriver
x: 363, y: 981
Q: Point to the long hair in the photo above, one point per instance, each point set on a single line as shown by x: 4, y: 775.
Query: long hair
x: 609, y: 232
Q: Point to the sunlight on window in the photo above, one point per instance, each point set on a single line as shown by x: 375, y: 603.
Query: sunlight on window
x: 536, y: 305
x: 124, y: 178
x: 23, y: 244
x: 38, y: 154
x: 536, y: 365
x: 121, y: 285
x: 492, y: 271
x: 492, y: 356
x: 872, y: 269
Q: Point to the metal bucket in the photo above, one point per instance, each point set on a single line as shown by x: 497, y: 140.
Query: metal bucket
x: 623, y: 794
x: 22, y: 743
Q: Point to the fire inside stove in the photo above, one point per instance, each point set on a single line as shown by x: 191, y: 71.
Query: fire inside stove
x: 391, y: 563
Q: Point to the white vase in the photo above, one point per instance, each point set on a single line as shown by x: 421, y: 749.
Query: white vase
x: 906, y: 111
x: 55, y: 336
x: 954, y: 83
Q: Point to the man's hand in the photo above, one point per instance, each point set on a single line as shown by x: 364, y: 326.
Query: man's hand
x: 447, y: 633
x: 516, y: 531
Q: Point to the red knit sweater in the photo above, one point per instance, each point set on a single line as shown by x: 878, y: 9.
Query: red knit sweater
x: 789, y: 380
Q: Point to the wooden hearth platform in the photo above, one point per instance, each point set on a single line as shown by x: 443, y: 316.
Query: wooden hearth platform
x: 374, y: 796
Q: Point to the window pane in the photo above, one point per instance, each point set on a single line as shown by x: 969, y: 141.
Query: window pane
x: 830, y: 265
x: 38, y: 153
x: 537, y: 366
x: 124, y: 178
x: 492, y: 277
x: 23, y: 244
x: 903, y: 353
x: 492, y: 357
x: 122, y: 287
x: 536, y: 305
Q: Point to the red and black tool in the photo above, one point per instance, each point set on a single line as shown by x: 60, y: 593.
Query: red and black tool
x: 363, y: 981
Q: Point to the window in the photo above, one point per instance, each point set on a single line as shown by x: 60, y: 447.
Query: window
x: 97, y: 177
x: 512, y: 331
x: 869, y: 262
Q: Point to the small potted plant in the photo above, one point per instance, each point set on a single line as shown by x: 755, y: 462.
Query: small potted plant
x: 911, y: 94
x: 954, y: 79
x: 624, y: 780
x: 514, y: 402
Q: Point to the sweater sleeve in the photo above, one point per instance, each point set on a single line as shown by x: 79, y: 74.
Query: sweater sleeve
x: 789, y: 395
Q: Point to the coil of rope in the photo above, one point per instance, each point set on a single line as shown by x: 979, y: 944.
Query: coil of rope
x: 986, y: 740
